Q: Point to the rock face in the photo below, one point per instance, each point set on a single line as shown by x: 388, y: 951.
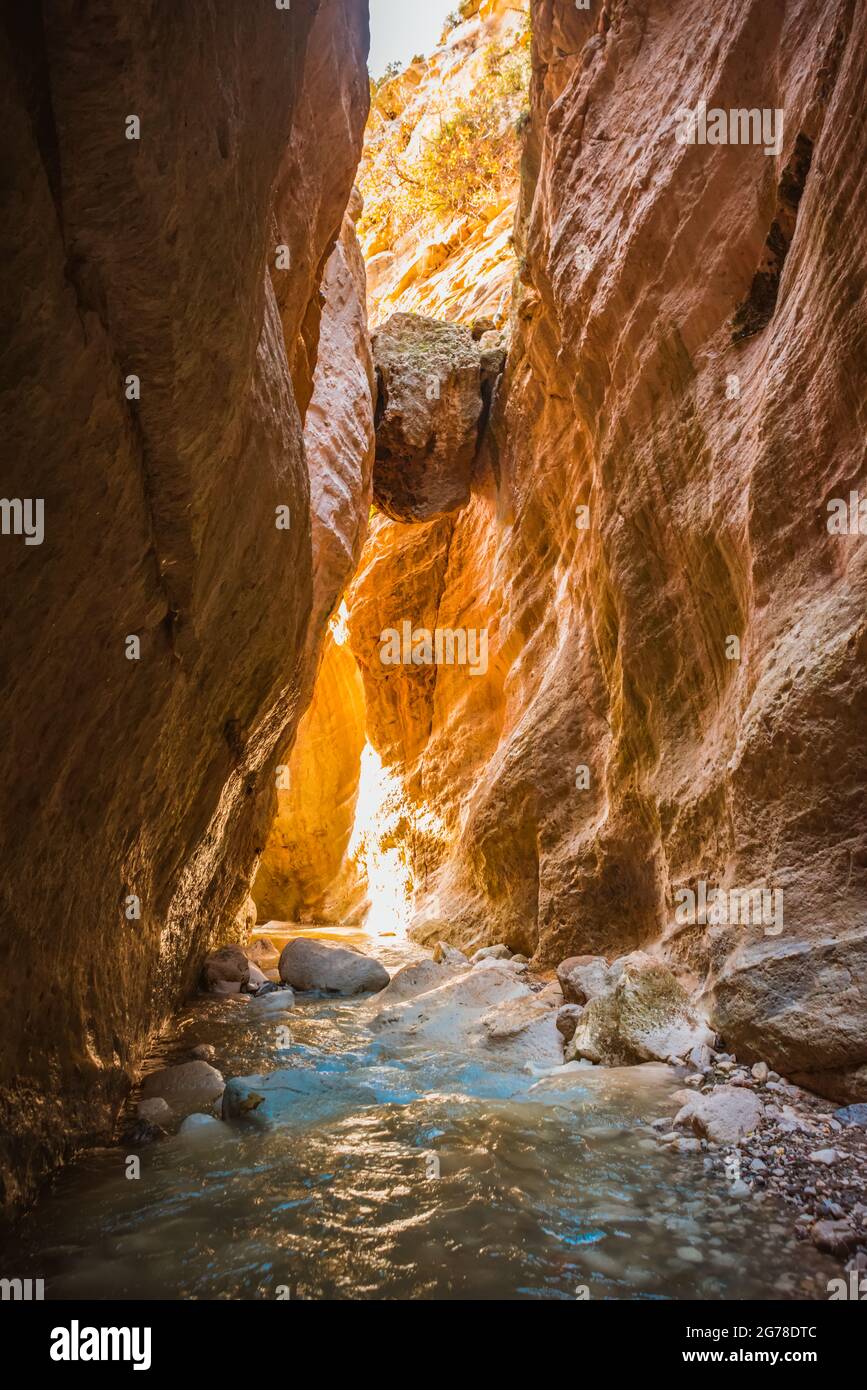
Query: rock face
x: 307, y: 965
x: 158, y: 638
x: 453, y: 264
x: 427, y: 417
x: 304, y: 875
x: 676, y: 638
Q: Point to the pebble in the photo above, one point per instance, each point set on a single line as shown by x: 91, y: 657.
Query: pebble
x: 827, y: 1156
x: 689, y: 1254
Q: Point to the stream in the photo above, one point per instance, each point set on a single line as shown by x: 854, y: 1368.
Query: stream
x: 416, y: 1174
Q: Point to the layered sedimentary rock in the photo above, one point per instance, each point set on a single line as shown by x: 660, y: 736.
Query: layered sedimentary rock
x: 675, y: 687
x: 156, y: 642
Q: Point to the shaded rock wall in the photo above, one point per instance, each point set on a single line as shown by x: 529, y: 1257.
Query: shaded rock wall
x: 149, y: 778
x: 303, y: 874
x: 682, y: 400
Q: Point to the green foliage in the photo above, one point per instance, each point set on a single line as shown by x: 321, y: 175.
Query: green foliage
x: 393, y: 70
x: 465, y: 166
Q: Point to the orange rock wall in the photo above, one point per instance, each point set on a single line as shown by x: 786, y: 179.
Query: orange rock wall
x: 687, y: 362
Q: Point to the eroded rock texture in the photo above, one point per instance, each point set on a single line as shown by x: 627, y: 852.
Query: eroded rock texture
x: 429, y: 406
x: 150, y: 779
x: 304, y: 874
x: 684, y: 394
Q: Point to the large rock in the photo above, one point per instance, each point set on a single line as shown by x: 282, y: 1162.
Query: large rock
x: 415, y: 979
x: 296, y: 1097
x: 801, y: 1005
x: 226, y: 970
x: 583, y: 978
x: 307, y: 964
x: 724, y: 1116
x: 646, y: 1015
x: 451, y: 1015
x: 190, y: 1086
x: 522, y: 1032
x: 427, y: 417
x: 158, y: 635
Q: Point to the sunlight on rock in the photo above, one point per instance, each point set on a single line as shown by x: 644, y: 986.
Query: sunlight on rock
x: 380, y: 809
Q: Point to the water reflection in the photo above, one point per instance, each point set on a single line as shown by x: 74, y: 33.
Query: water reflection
x: 425, y: 1176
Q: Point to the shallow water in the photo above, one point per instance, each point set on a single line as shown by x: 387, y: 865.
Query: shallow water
x: 409, y: 1175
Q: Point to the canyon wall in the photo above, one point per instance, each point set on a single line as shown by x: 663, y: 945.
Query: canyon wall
x: 675, y: 683
x: 160, y: 332
x: 304, y: 874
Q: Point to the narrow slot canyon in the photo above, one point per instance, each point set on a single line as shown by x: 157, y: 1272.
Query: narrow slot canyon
x: 433, y: 857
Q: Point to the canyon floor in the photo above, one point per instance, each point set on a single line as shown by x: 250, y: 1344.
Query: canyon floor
x: 380, y: 1167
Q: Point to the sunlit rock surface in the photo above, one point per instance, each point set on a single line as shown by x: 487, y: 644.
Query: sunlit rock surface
x: 452, y: 268
x: 138, y: 791
x: 304, y: 875
x: 676, y: 677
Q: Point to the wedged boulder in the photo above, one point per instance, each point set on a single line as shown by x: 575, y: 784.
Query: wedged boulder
x: 190, y: 1086
x: 225, y: 971
x: 724, y: 1116
x: 306, y: 964
x: 645, y: 1016
x: 427, y: 418
x: 583, y: 978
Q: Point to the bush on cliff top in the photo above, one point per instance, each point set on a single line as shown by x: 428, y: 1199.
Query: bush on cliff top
x: 465, y: 166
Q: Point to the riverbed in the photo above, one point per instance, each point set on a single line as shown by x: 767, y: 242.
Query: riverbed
x: 415, y: 1173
